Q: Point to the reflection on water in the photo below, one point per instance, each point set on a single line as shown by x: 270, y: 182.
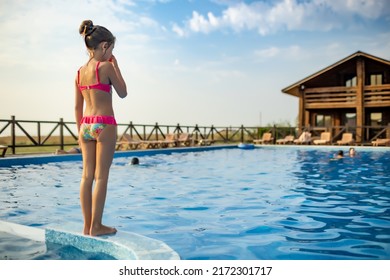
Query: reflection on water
x: 350, y: 197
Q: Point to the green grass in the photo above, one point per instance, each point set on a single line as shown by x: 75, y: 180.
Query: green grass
x: 23, y: 140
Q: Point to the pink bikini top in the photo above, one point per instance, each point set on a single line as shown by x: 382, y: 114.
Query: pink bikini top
x: 98, y: 85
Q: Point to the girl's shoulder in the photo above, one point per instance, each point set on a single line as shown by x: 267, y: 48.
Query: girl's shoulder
x: 105, y: 66
x: 104, y: 63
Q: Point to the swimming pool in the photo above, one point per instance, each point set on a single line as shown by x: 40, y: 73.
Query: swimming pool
x: 266, y: 203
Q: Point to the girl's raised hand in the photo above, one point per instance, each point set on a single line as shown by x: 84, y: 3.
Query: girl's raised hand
x: 113, y: 60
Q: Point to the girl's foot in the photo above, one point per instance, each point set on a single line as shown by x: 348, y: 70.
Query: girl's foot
x: 86, y: 230
x: 102, y: 230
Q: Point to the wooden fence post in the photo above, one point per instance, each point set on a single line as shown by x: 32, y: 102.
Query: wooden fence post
x: 156, y: 128
x: 178, y: 129
x: 131, y: 129
x: 13, y: 135
x: 39, y: 132
x: 62, y: 142
x: 274, y: 134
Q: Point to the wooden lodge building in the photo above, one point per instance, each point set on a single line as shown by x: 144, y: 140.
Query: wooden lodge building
x: 351, y: 95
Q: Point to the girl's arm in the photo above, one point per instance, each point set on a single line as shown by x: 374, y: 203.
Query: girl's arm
x: 115, y: 76
x: 79, y: 103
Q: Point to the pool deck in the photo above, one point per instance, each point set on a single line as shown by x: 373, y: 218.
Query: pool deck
x: 121, y: 246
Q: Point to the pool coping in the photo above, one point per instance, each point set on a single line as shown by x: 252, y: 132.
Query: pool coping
x: 121, y: 246
x: 50, y: 158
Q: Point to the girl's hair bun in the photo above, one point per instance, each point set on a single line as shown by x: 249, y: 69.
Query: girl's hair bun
x: 95, y: 34
x: 86, y: 27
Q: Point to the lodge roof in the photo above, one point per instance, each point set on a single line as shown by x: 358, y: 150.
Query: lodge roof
x: 294, y: 88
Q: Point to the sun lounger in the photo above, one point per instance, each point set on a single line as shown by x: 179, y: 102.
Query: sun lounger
x: 185, y: 139
x: 381, y: 142
x: 127, y: 143
x: 305, y: 138
x: 4, y: 148
x: 205, y: 142
x: 286, y: 140
x: 346, y: 139
x: 169, y: 141
x: 325, y: 139
x: 266, y: 139
x: 151, y: 144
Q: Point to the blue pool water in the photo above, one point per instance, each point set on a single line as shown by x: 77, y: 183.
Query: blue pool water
x: 266, y: 203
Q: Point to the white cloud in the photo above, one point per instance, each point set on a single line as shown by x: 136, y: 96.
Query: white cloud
x: 288, y: 53
x: 199, y: 23
x: 242, y: 16
x: 287, y: 13
x: 178, y: 30
x: 370, y: 9
x: 269, y: 17
x: 33, y: 29
x: 267, y: 53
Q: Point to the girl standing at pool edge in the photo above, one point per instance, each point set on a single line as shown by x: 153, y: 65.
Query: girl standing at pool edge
x: 96, y: 123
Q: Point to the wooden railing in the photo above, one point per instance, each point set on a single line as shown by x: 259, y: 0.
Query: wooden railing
x: 157, y: 132
x: 62, y: 134
x: 345, y: 97
x: 330, y: 96
x: 38, y: 139
x: 377, y: 96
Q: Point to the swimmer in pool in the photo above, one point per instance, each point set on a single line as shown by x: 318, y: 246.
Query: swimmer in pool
x: 134, y: 161
x: 352, y: 152
x: 340, y: 154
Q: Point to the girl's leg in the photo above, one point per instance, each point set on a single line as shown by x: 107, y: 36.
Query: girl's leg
x: 105, y: 148
x: 89, y: 163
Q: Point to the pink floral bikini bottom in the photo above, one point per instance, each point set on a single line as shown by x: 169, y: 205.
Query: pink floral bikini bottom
x: 92, y: 126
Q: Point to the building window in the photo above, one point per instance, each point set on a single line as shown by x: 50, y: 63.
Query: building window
x: 376, y: 79
x: 349, y: 119
x: 375, y: 119
x: 375, y: 123
x: 323, y: 120
x: 350, y: 81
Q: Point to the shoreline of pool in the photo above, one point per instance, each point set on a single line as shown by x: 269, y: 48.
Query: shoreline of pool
x: 48, y: 158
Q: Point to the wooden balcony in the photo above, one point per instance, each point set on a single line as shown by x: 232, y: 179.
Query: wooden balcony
x: 345, y: 97
x: 377, y: 96
x: 330, y: 97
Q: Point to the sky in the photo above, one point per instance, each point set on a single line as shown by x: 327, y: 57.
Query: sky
x: 205, y: 62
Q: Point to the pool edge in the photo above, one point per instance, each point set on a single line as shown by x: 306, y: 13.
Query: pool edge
x: 122, y: 245
x: 51, y: 158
